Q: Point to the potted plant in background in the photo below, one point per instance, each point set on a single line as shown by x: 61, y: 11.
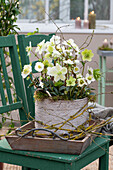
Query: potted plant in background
x: 62, y: 88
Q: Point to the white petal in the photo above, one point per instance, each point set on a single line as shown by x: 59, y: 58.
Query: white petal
x: 52, y: 71
x: 64, y: 70
x: 62, y: 77
x: 57, y: 78
x: 58, y: 67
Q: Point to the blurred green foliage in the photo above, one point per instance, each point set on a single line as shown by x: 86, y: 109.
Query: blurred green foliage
x: 9, y: 11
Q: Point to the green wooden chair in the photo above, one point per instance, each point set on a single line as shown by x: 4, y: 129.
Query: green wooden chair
x: 10, y: 105
x: 52, y: 161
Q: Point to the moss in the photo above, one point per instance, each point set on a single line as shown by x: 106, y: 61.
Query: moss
x: 105, y: 48
x: 40, y: 95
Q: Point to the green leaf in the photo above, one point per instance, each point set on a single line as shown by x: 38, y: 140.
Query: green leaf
x: 0, y: 125
x: 58, y: 84
x: 8, y: 113
x: 53, y: 93
x: 3, y: 119
x: 62, y: 88
x: 96, y: 74
x: 56, y: 91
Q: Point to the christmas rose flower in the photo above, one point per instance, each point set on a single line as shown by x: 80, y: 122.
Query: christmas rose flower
x: 81, y: 82
x: 29, y: 49
x: 89, y: 78
x: 87, y: 55
x: 76, y: 69
x: 58, y: 72
x: 39, y: 66
x: 26, y: 71
x: 70, y: 81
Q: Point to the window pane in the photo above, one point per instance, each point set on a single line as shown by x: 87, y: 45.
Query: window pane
x: 101, y: 8
x: 76, y: 9
x: 32, y: 9
x: 54, y: 9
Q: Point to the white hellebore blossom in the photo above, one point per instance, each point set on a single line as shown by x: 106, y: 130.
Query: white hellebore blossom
x: 39, y: 66
x: 76, y: 69
x: 26, y: 71
x: 79, y: 75
x: 41, y: 84
x: 68, y: 61
x: 58, y: 72
x: 81, y: 82
x: 55, y: 40
x: 90, y: 70
x: 77, y: 62
x: 40, y: 47
x: 89, y: 78
x: 28, y: 49
x: 68, y: 42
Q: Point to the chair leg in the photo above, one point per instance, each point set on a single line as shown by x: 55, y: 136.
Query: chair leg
x: 104, y: 160
x: 1, y: 166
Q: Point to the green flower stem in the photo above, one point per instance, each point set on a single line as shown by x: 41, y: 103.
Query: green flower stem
x: 82, y: 90
x: 42, y: 57
x: 35, y: 54
x: 83, y: 68
x: 33, y: 82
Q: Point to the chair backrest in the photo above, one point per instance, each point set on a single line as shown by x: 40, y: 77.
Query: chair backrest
x: 9, y: 42
x: 23, y: 42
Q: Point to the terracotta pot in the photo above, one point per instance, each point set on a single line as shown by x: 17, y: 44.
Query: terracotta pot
x: 52, y: 112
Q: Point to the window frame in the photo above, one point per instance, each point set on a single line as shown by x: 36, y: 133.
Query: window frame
x: 67, y: 21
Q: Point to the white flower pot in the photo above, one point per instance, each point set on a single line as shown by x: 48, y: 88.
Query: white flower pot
x: 53, y: 112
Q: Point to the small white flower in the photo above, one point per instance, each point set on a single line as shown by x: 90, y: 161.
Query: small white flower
x: 89, y: 78
x: 78, y: 54
x: 68, y: 61
x: 26, y: 71
x: 59, y: 46
x: 63, y: 50
x: 29, y: 49
x: 76, y: 69
x: 12, y: 17
x: 39, y: 66
x: 76, y: 47
x: 81, y: 82
x: 77, y: 62
x: 68, y: 42
x: 90, y: 70
x: 41, y: 84
x: 79, y: 75
x: 56, y: 54
x: 40, y: 47
x: 55, y: 40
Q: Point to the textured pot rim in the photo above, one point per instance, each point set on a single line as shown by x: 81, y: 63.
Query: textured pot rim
x: 86, y: 98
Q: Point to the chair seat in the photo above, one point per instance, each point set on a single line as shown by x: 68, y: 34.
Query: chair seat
x: 40, y: 159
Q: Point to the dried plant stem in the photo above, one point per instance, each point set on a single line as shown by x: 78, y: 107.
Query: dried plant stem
x: 74, y: 116
x: 85, y: 42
